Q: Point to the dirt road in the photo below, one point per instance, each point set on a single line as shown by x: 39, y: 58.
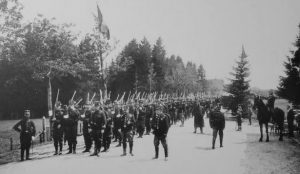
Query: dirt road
x: 189, y: 153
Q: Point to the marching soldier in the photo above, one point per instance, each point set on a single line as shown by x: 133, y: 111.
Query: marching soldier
x: 172, y: 112
x: 217, y: 123
x: 71, y: 123
x: 26, y: 128
x: 198, y: 112
x: 181, y: 112
x: 117, y: 125
x: 149, y: 113
x: 160, y: 126
x: 58, y: 130
x: 127, y: 129
x: 98, y: 122
x: 140, y: 123
x: 86, y: 129
x: 107, y: 135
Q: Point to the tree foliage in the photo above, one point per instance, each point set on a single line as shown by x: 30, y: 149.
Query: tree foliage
x: 239, y: 85
x: 289, y: 85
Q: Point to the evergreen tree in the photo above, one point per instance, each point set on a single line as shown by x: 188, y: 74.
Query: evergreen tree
x: 158, y: 58
x: 289, y: 86
x: 239, y: 86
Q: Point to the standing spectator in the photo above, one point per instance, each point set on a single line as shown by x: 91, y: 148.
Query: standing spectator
x: 26, y: 128
x: 217, y: 123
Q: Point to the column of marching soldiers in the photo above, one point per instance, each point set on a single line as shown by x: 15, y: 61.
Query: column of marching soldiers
x: 119, y: 121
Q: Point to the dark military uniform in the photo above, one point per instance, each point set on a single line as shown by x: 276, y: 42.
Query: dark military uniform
x: 26, y: 128
x: 181, y: 112
x: 98, y: 122
x: 127, y: 129
x: 117, y: 126
x: 149, y: 113
x: 58, y: 131
x: 160, y: 125
x: 140, y: 122
x: 198, y: 113
x: 172, y: 111
x: 70, y: 125
x: 217, y: 123
x: 86, y: 130
x: 108, y: 131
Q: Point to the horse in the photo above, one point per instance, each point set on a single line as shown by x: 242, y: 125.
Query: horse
x: 264, y: 116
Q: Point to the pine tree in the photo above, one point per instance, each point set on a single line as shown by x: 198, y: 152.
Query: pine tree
x: 239, y: 86
x: 289, y: 86
x: 158, y: 60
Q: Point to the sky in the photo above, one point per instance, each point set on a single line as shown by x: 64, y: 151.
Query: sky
x: 207, y: 32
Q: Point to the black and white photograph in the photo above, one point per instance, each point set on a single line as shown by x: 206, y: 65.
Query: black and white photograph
x: 150, y: 86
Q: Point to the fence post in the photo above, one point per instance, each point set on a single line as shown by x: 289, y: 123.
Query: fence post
x: 11, y: 143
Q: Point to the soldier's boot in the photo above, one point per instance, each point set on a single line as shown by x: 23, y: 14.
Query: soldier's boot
x: 60, y: 148
x: 74, y: 148
x: 56, y: 150
x: 27, y: 154
x: 213, y: 143
x: 22, y: 154
x: 156, y: 152
x: 130, y: 148
x: 201, y: 130
x: 124, y: 152
x: 118, y: 145
x: 221, y: 141
x: 70, y: 149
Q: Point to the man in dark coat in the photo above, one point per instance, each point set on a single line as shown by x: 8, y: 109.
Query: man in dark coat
x: 71, y: 117
x: 58, y: 130
x: 127, y: 129
x: 198, y: 113
x: 217, y: 123
x: 140, y: 122
x: 172, y: 111
x: 26, y: 128
x: 160, y: 125
x: 149, y: 113
x: 271, y: 101
x: 117, y: 125
x: 98, y: 122
x: 108, y: 131
x: 290, y: 120
x: 86, y: 129
x: 181, y: 113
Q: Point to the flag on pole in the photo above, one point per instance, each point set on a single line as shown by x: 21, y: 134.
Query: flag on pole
x: 100, y: 17
x: 103, y: 28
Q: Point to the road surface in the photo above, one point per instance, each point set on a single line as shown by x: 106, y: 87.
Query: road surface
x: 188, y: 153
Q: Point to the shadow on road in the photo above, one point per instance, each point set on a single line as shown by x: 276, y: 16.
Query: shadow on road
x: 203, y: 148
